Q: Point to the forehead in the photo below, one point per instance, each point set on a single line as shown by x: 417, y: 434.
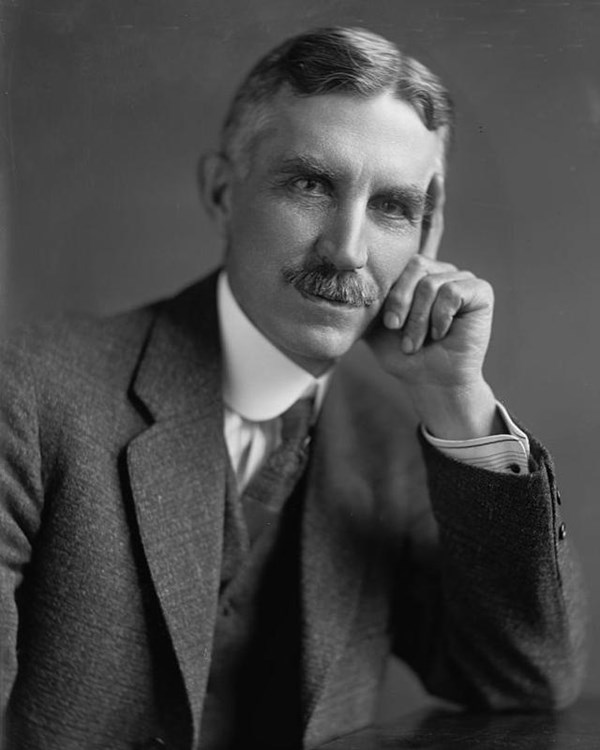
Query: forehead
x: 379, y: 138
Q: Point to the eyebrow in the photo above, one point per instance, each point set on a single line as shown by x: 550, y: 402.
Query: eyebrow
x: 411, y: 195
x: 303, y: 163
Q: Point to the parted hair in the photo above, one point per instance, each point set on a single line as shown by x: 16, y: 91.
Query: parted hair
x: 329, y: 60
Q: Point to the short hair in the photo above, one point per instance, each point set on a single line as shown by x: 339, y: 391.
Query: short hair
x: 334, y: 60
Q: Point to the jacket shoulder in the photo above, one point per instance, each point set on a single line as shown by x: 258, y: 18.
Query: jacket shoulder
x: 72, y: 344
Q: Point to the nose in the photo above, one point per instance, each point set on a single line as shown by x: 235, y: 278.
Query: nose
x: 342, y: 241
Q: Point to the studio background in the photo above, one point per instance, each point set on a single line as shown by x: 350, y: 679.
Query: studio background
x: 108, y: 104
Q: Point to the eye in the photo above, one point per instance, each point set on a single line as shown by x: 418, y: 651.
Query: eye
x: 310, y: 185
x: 392, y: 208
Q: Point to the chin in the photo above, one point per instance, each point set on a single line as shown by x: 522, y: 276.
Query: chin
x: 316, y: 350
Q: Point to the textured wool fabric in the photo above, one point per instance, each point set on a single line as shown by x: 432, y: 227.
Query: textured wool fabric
x: 253, y: 690
x: 112, y: 503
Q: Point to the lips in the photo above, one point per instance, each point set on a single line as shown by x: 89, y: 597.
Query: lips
x: 335, y: 302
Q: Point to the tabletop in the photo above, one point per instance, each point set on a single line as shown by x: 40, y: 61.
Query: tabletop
x: 575, y: 728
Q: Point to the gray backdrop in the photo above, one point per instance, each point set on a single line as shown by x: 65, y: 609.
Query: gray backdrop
x: 108, y: 104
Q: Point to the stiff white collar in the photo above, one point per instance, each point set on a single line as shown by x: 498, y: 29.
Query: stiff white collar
x: 259, y: 381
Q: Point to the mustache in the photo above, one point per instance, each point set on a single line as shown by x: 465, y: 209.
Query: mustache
x: 325, y: 280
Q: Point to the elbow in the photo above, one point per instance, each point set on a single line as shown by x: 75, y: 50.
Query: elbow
x: 563, y: 686
x: 551, y: 682
x: 562, y: 674
x: 555, y: 685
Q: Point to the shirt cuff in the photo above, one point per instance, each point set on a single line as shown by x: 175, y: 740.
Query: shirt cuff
x: 507, y: 453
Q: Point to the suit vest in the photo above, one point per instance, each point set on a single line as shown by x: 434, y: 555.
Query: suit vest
x: 253, y: 690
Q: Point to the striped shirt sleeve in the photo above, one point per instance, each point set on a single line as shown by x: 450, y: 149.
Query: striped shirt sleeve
x: 507, y: 453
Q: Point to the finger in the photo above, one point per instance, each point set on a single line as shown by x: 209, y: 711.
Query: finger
x: 419, y: 321
x: 458, y: 297
x: 400, y: 296
x: 433, y: 227
x: 449, y: 300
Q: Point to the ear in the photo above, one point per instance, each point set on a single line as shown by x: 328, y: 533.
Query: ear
x: 433, y: 224
x: 215, y: 181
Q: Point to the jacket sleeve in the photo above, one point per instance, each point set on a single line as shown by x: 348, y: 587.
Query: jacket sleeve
x: 492, y: 613
x: 20, y: 499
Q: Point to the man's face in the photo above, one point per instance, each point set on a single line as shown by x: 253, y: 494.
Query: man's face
x: 325, y: 219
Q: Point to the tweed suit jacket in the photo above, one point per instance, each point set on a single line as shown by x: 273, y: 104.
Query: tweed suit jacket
x: 112, y: 484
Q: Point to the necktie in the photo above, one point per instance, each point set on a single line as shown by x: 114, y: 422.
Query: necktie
x: 267, y: 492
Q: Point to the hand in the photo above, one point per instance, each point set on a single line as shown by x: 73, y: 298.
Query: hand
x: 433, y: 334
x: 435, y: 325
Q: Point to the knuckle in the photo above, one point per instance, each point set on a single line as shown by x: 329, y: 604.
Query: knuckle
x: 395, y: 300
x: 487, y: 288
x: 418, y: 316
x: 417, y: 262
x: 428, y: 285
x: 448, y: 267
x: 426, y: 289
x: 484, y: 291
x: 450, y: 292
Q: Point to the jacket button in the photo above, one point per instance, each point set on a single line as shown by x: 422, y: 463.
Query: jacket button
x: 154, y: 743
x: 562, y: 531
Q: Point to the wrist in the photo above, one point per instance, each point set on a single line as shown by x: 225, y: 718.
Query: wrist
x: 458, y: 412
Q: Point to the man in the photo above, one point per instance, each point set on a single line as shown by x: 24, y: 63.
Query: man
x: 220, y: 514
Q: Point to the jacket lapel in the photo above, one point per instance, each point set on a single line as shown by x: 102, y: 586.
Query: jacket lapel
x: 177, y: 472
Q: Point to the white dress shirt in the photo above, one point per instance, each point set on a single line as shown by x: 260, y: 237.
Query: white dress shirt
x: 260, y: 383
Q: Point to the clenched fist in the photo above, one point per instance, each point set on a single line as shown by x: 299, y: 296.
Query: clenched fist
x: 433, y: 334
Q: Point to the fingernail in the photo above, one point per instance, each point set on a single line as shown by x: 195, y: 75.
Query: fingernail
x: 408, y: 345
x: 391, y: 320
